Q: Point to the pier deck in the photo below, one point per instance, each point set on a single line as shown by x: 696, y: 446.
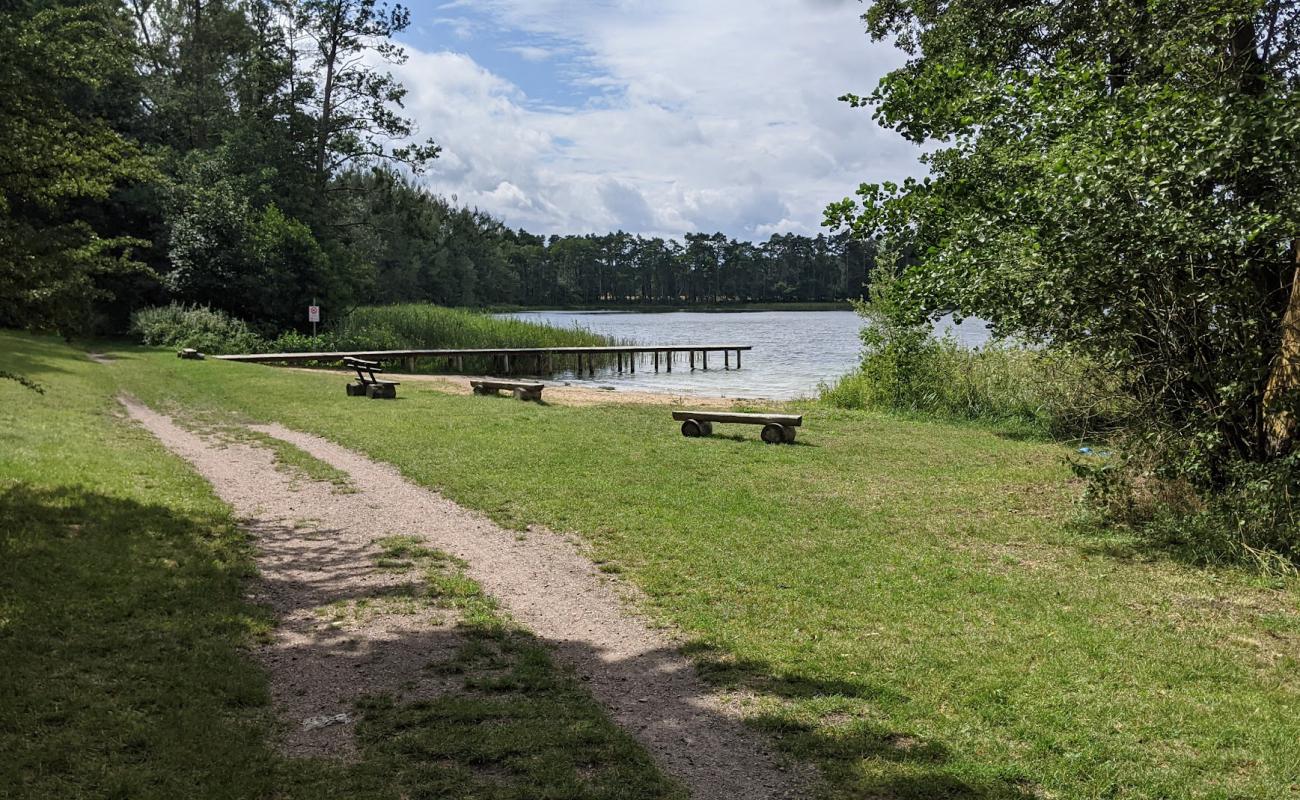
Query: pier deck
x: 541, y: 357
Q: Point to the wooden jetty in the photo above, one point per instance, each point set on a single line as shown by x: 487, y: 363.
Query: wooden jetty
x: 543, y: 358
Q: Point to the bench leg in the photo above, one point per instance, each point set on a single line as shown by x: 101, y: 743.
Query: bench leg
x: 356, y: 390
x: 773, y: 433
x: 692, y: 429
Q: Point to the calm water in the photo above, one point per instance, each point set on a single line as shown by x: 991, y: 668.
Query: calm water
x: 794, y: 351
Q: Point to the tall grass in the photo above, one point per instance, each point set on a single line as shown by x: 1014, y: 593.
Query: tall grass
x: 415, y: 326
x: 906, y: 368
x: 425, y: 327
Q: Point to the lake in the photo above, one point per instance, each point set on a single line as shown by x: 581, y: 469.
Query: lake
x: 794, y: 351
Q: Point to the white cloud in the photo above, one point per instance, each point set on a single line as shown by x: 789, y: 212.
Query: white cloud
x: 531, y: 52
x: 712, y: 116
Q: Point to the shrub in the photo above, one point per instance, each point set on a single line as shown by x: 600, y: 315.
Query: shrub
x: 1251, y: 518
x: 202, y: 328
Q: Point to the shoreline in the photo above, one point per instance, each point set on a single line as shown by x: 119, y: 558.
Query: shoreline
x: 563, y: 393
x: 669, y: 309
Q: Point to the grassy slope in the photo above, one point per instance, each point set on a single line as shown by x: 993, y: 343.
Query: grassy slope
x: 122, y: 618
x: 899, y: 597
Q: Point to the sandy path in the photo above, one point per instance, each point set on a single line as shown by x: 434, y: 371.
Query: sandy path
x: 542, y: 580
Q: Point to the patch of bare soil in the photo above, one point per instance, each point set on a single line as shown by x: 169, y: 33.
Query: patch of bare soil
x: 317, y: 548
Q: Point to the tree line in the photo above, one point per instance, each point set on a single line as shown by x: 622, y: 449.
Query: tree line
x: 253, y: 155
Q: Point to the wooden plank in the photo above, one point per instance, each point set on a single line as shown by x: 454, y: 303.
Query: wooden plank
x: 788, y: 420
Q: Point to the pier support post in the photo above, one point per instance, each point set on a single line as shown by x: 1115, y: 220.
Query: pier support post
x: 706, y: 358
x: 656, y: 361
x: 620, y: 363
x: 692, y: 361
x: 460, y: 364
x: 631, y: 362
x: 737, y: 359
x: 668, y: 354
x: 726, y: 359
x: 507, y: 361
x: 410, y: 363
x: 578, y: 372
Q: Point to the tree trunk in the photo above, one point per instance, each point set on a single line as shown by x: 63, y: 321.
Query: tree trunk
x: 1280, y: 395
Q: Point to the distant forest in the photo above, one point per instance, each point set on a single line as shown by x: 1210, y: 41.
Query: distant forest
x: 253, y: 155
x: 486, y: 263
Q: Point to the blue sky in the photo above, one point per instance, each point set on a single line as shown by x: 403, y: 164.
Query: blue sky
x: 656, y: 117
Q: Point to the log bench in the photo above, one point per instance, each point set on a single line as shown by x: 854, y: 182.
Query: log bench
x: 367, y: 384
x: 523, y: 390
x: 777, y: 428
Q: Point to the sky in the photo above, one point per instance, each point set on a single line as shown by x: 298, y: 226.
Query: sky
x: 656, y: 117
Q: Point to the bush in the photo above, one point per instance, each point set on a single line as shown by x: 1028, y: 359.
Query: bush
x: 202, y: 328
x: 1251, y: 518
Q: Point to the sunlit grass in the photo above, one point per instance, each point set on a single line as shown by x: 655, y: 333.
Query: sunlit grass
x: 904, y: 602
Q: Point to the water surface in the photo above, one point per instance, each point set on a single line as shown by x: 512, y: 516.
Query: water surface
x: 794, y: 351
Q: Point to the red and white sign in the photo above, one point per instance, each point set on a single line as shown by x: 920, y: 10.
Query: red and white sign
x: 313, y: 313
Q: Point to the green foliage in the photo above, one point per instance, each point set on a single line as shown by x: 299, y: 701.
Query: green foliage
x: 257, y: 264
x: 59, y: 153
x: 1116, y: 179
x: 206, y: 330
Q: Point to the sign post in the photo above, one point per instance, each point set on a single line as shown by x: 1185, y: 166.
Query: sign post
x: 313, y: 316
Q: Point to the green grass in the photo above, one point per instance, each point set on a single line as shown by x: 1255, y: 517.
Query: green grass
x: 903, y: 600
x: 124, y: 627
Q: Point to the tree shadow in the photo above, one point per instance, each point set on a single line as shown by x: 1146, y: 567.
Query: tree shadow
x: 137, y: 617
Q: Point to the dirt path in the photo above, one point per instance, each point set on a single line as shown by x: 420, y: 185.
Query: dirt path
x: 317, y: 546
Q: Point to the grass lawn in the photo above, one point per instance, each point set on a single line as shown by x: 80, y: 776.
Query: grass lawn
x: 123, y: 628
x: 903, y: 601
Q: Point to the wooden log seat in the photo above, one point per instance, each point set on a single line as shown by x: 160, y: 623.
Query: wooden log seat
x: 777, y: 428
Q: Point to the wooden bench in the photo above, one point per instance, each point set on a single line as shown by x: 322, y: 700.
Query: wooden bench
x: 367, y: 384
x: 524, y: 390
x: 777, y: 428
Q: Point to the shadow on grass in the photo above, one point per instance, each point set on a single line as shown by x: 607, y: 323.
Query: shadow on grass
x: 858, y: 757
x: 124, y: 641
x: 41, y: 357
x: 120, y: 629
